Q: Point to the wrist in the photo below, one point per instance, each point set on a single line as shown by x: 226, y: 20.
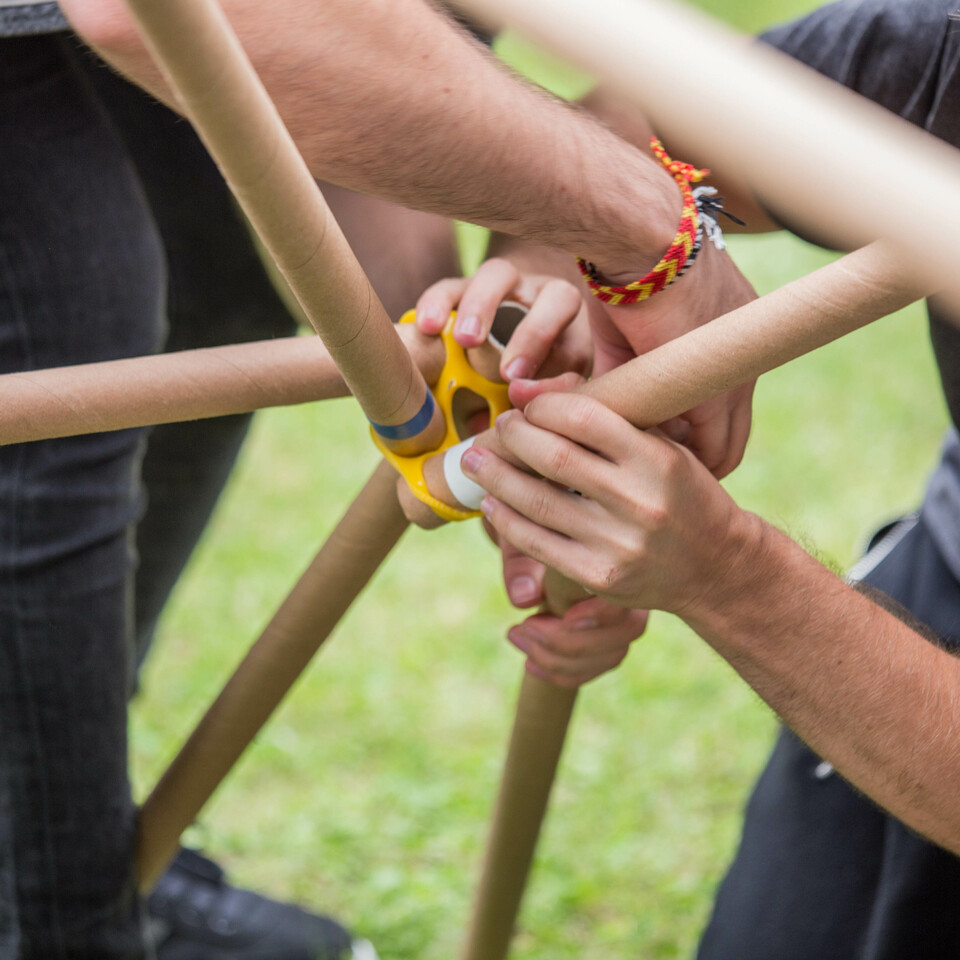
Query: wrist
x: 632, y: 210
x: 745, y: 571
x: 649, y: 212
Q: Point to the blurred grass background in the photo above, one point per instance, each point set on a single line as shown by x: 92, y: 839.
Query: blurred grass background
x: 369, y: 793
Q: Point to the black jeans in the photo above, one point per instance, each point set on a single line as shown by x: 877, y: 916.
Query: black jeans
x: 117, y: 238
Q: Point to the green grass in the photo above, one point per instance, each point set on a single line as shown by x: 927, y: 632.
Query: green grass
x: 368, y: 795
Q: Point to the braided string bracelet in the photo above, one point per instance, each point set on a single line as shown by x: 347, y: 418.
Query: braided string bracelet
x: 701, y: 205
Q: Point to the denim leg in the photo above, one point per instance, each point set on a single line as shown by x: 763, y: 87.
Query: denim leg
x: 218, y: 292
x: 81, y: 279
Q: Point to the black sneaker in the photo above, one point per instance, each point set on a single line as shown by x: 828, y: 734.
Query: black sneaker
x: 194, y: 914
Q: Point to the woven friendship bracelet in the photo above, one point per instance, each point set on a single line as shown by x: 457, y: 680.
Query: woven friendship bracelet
x: 679, y: 256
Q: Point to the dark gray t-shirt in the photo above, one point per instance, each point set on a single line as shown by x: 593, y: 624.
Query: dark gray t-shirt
x: 904, y: 55
x: 19, y: 19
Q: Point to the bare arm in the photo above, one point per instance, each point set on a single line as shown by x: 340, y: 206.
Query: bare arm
x: 865, y: 691
x: 389, y: 97
x: 654, y: 530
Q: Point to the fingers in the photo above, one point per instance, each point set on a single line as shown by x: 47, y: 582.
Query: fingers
x: 555, y: 308
x: 437, y: 302
x: 475, y: 299
x: 555, y: 328
x: 578, y: 648
x: 709, y: 436
x: 717, y: 431
x: 566, y: 556
x: 523, y: 391
x: 546, y: 504
x: 740, y: 421
x: 522, y: 576
x: 416, y: 511
x: 576, y: 417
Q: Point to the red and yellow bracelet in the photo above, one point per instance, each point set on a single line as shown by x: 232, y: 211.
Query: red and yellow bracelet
x: 681, y: 253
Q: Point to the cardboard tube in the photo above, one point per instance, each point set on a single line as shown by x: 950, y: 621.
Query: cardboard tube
x: 221, y: 94
x: 188, y: 385
x: 356, y: 548
x: 536, y: 742
x: 828, y: 159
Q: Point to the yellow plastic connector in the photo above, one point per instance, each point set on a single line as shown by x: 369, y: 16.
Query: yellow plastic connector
x: 456, y: 375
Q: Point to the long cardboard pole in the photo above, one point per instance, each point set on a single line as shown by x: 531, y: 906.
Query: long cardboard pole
x: 825, y: 157
x: 220, y: 93
x: 648, y: 390
x: 356, y: 548
x: 536, y: 743
x: 187, y: 385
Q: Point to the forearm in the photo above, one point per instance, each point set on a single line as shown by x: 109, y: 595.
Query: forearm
x: 388, y: 97
x: 864, y: 690
x: 625, y: 119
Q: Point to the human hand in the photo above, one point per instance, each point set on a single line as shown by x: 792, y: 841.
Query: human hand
x: 591, y: 638
x: 649, y: 528
x: 716, y: 431
x: 553, y: 337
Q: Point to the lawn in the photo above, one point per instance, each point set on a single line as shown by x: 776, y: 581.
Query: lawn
x: 369, y: 793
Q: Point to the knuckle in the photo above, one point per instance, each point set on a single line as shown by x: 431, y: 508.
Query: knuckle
x: 540, y: 503
x: 656, y: 517
x: 559, y: 461
x: 603, y: 577
x: 582, y: 415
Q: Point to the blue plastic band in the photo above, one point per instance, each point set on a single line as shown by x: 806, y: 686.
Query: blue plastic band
x: 403, y: 431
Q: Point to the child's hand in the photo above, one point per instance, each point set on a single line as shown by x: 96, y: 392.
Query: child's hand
x: 553, y: 337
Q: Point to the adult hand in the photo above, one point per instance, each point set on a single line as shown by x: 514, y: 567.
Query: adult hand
x: 592, y: 637
x: 649, y: 527
x: 553, y: 337
x: 716, y: 431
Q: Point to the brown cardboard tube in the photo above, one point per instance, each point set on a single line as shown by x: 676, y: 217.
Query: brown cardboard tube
x: 189, y: 385
x: 820, y: 154
x: 536, y: 743
x: 356, y: 548
x: 221, y: 94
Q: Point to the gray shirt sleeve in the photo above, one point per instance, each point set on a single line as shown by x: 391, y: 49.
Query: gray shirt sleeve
x: 904, y: 55
x: 20, y: 19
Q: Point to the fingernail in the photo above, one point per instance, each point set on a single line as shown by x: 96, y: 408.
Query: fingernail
x: 426, y: 316
x: 518, y: 369
x: 523, y: 590
x: 468, y: 326
x: 504, y: 417
x: 486, y: 506
x: 471, y: 460
x: 533, y: 633
x: 585, y: 623
x: 516, y: 637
